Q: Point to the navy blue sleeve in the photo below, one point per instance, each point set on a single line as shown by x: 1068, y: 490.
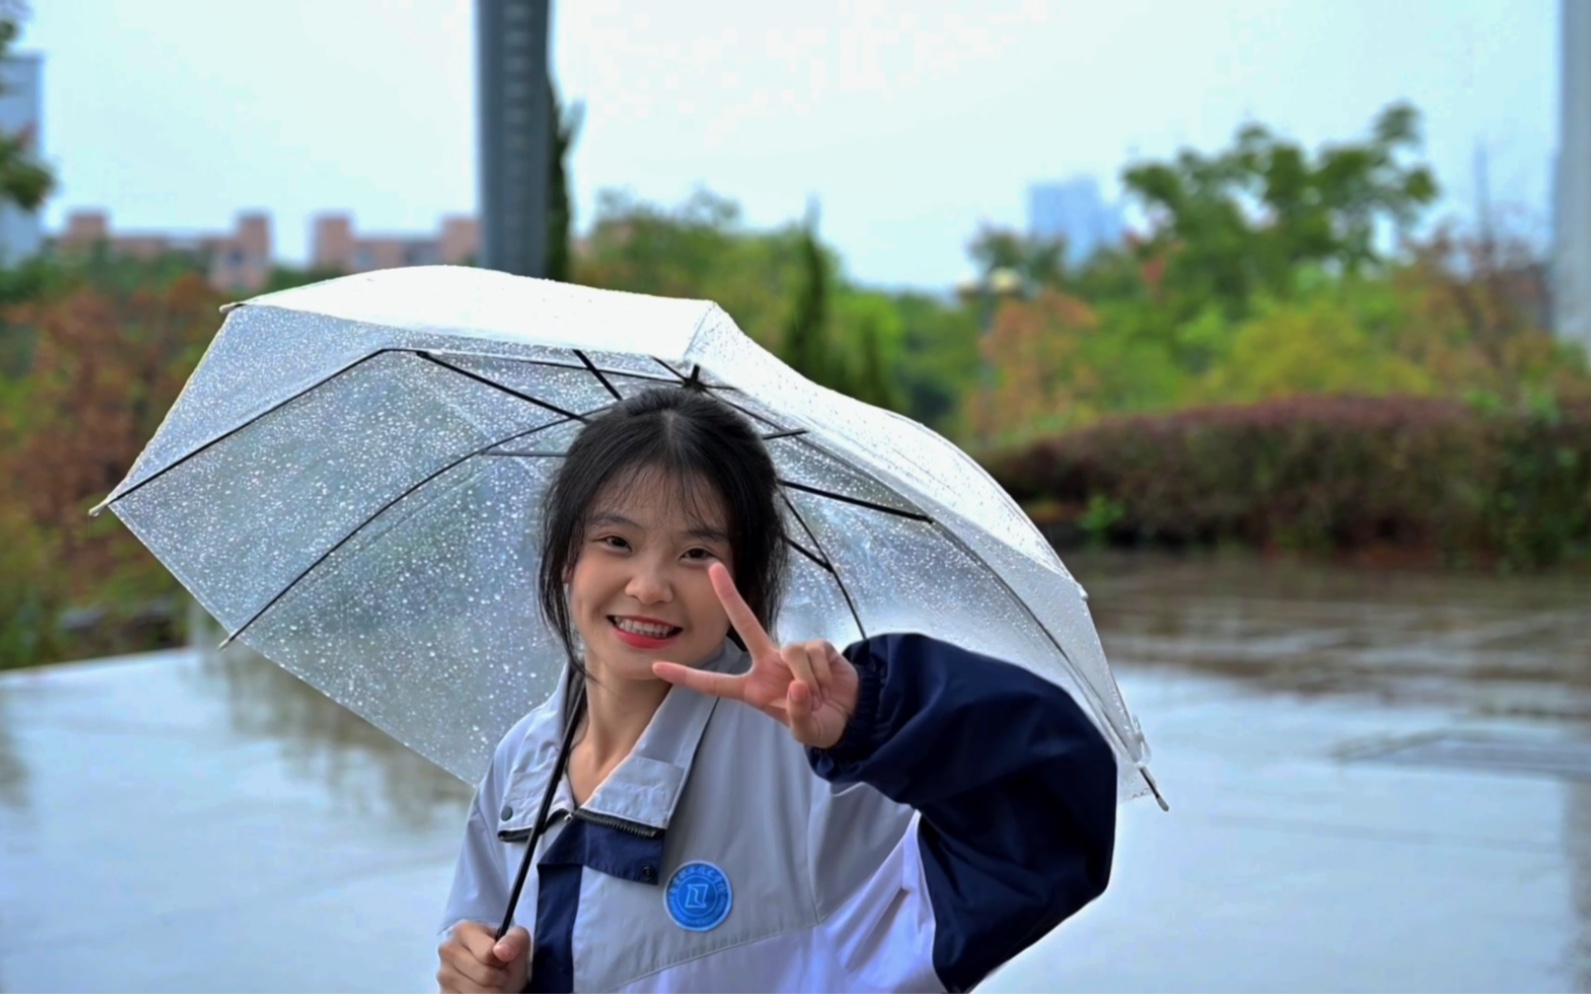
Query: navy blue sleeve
x: 1016, y: 787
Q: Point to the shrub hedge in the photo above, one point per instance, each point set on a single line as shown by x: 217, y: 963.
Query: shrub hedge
x: 1323, y: 474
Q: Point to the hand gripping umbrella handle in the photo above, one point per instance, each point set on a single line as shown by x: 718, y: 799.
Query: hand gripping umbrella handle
x: 577, y: 702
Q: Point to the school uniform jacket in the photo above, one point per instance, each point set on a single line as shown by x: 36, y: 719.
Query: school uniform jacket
x: 967, y: 810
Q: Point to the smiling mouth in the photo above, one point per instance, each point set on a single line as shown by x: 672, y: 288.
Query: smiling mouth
x: 644, y: 629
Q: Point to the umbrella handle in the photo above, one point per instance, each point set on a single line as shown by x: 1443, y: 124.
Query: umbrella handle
x: 577, y: 700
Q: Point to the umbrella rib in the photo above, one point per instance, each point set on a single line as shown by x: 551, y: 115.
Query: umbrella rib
x: 695, y: 375
x: 200, y: 450
x: 817, y: 560
x: 598, y: 373
x: 780, y: 431
x: 524, y: 455
x: 630, y: 376
x: 376, y: 514
x: 859, y: 502
x: 152, y: 477
x: 677, y: 374
x: 498, y: 386
x: 555, y: 365
x: 825, y: 563
x: 788, y: 433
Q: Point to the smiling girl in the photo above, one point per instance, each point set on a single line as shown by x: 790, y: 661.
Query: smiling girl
x: 739, y: 814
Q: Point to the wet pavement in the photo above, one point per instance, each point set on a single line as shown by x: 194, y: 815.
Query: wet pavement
x: 1377, y: 783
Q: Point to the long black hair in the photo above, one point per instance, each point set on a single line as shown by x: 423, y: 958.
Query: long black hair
x: 688, y: 437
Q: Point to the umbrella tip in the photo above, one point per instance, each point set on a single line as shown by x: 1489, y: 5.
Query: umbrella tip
x: 228, y: 641
x: 1154, y: 788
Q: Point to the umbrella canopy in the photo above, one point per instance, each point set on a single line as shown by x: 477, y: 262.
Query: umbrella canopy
x: 351, y: 483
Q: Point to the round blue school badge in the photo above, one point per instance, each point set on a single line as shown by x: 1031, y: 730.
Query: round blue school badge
x: 698, y: 897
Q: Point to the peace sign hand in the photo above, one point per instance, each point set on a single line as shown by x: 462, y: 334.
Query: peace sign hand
x: 808, y: 686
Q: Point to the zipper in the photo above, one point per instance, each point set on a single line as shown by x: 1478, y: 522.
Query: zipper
x: 623, y: 825
x: 606, y: 821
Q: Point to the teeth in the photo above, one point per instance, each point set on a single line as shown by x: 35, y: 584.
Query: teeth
x: 637, y: 628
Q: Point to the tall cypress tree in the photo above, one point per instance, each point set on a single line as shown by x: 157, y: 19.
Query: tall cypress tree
x: 805, y: 346
x: 565, y: 129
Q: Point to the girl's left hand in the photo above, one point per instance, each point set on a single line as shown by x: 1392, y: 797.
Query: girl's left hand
x: 809, y: 686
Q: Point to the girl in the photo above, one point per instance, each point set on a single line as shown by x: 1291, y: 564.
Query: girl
x: 735, y: 814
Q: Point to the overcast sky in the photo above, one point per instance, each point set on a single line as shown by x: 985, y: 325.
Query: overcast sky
x: 912, y: 122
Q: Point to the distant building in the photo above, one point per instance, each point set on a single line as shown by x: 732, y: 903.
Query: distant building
x: 1571, y: 262
x: 237, y: 261
x: 1075, y: 211
x: 21, y: 232
x: 240, y: 260
x: 335, y: 246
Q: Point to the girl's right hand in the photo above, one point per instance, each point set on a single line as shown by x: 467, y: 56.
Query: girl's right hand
x: 475, y: 961
x: 809, y: 687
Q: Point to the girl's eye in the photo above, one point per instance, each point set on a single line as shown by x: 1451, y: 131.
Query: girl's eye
x: 700, y: 554
x: 613, y: 542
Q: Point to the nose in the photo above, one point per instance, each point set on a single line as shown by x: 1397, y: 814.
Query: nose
x: 649, y: 584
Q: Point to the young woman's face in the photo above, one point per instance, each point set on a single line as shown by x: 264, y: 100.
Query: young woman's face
x: 639, y: 590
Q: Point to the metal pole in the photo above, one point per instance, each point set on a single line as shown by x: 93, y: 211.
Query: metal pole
x: 514, y: 104
x: 1571, y: 282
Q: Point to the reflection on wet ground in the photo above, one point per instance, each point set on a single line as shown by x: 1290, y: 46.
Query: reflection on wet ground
x: 202, y: 821
x: 326, y: 744
x: 1517, y: 646
x: 13, y: 775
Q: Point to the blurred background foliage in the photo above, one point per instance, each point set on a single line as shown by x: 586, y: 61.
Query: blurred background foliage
x: 1289, y: 355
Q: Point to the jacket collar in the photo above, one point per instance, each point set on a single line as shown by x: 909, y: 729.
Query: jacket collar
x: 646, y: 786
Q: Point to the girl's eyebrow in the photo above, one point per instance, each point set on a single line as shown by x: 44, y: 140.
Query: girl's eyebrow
x: 704, y: 532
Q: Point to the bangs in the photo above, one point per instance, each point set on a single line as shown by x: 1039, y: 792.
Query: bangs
x: 698, y: 501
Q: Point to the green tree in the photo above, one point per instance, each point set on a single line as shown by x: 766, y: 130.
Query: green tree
x: 838, y: 337
x: 1313, y: 345
x: 939, y: 361
x: 1241, y: 222
x: 1038, y: 262
x: 565, y: 130
x: 699, y: 249
x: 867, y: 335
x: 785, y: 288
x: 24, y: 181
x: 291, y: 277
x: 806, y: 334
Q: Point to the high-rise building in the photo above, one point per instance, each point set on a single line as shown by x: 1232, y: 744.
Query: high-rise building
x: 1571, y: 252
x: 21, y: 232
x: 514, y: 102
x: 1074, y: 210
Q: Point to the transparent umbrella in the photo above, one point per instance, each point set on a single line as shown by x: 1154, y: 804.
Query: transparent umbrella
x: 350, y: 484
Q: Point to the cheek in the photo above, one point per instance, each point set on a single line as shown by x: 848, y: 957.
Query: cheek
x: 580, y: 581
x: 710, y: 610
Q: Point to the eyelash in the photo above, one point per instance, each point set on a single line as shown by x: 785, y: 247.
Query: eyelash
x: 615, y: 542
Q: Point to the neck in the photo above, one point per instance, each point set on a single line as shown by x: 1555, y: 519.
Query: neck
x: 617, y: 712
